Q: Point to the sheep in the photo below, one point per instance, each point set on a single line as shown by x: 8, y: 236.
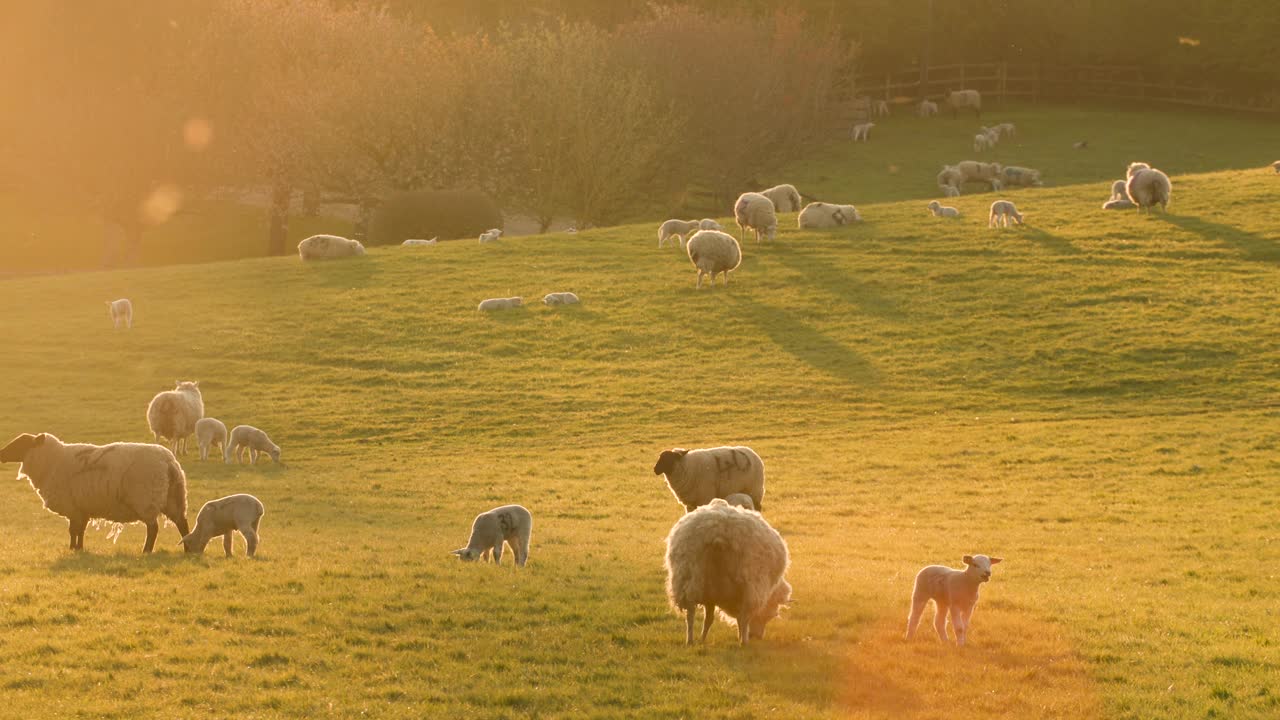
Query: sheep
x: 512, y: 524
x: 1118, y: 190
x: 950, y: 180
x: 741, y: 500
x: 950, y: 191
x: 560, y: 298
x: 1005, y: 130
x: 1276, y: 165
x: 1020, y: 176
x: 940, y: 210
x: 927, y: 108
x: 233, y: 513
x: 490, y: 235
x: 696, y: 477
x: 1121, y: 203
x: 1147, y: 187
x: 500, y: 304
x: 709, y: 224
x: 827, y: 215
x: 1080, y: 145
x: 974, y: 171
x: 208, y: 432
x: 880, y: 108
x: 119, y: 482
x: 862, y: 131
x: 321, y: 247
x: 785, y: 198
x: 420, y: 243
x: 1002, y: 210
x: 678, y: 229
x: 712, y: 252
x: 121, y: 311
x: 949, y: 589
x: 724, y: 557
x: 173, y: 414
x: 958, y: 99
x: 982, y: 141
x: 247, y: 437
x: 755, y: 211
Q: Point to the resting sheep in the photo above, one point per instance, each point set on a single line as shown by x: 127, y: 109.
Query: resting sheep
x: 950, y: 191
x: 862, y: 131
x: 173, y: 414
x: 119, y: 483
x: 696, y: 477
x: 419, y: 243
x: 724, y: 557
x: 756, y: 212
x: 785, y: 198
x: 827, y: 215
x: 560, y: 298
x: 247, y: 437
x: 1001, y: 211
x: 511, y: 524
x: 1118, y: 190
x: 121, y: 312
x: 1120, y: 203
x: 500, y: 304
x: 320, y: 247
x: 1147, y: 187
x: 940, y: 210
x: 956, y: 590
x: 678, y: 229
x: 927, y: 108
x: 960, y: 99
x: 950, y: 178
x: 712, y: 252
x: 210, y: 431
x: 1020, y: 176
x: 233, y: 513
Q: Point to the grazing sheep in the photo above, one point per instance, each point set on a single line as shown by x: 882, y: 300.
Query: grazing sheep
x: 500, y: 304
x: 121, y: 311
x: 712, y: 252
x: 974, y: 171
x: 709, y: 224
x: 321, y: 247
x: 210, y: 431
x: 959, y: 99
x: 755, y: 211
x: 678, y: 229
x: 956, y: 590
x: 940, y: 210
x: 420, y: 243
x: 724, y: 557
x: 510, y: 523
x: 1020, y: 176
x: 927, y: 108
x: 1002, y: 210
x: 696, y: 477
x: 1148, y: 187
x: 173, y: 414
x: 950, y: 191
x: 1118, y: 190
x: 490, y: 235
x: 880, y: 108
x: 119, y: 483
x: 862, y: 131
x: 741, y: 500
x: 560, y: 298
x: 1121, y: 203
x: 1004, y: 130
x: 827, y: 215
x: 247, y: 437
x: 233, y: 513
x: 785, y: 198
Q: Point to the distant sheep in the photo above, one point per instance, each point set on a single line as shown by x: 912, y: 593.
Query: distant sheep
x: 511, y: 524
x: 950, y: 177
x: 173, y: 414
x: 756, y: 212
x: 958, y: 100
x: 880, y: 108
x: 940, y: 210
x: 974, y: 171
x: 247, y: 437
x: 741, y: 500
x: 678, y: 229
x: 321, y: 247
x: 1002, y: 211
x: 210, y: 432
x: 726, y: 558
x: 233, y: 513
x: 420, y: 243
x: 949, y: 589
x: 121, y: 312
x: 709, y: 224
x: 1080, y: 145
x: 927, y: 108
x: 696, y: 477
x: 1014, y: 176
x: 490, y: 235
x: 826, y: 215
x: 560, y: 298
x: 982, y: 141
x: 713, y: 252
x: 1118, y: 190
x: 862, y: 131
x: 785, y: 198
x: 950, y: 191
x: 500, y: 304
x: 1276, y: 165
x: 1148, y: 187
x: 1004, y: 130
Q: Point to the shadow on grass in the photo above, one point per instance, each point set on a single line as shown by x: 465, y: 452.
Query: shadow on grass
x: 1049, y: 241
x: 92, y: 561
x: 1251, y: 245
x: 808, y: 345
x: 837, y: 281
x: 344, y: 272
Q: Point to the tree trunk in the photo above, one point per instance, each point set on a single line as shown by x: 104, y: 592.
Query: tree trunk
x: 281, y: 193
x: 311, y: 202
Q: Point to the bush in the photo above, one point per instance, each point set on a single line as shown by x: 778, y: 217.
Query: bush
x: 447, y: 214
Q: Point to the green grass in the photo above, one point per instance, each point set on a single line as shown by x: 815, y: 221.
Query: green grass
x: 1092, y: 397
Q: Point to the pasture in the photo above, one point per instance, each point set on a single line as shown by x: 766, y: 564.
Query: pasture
x: 1091, y: 396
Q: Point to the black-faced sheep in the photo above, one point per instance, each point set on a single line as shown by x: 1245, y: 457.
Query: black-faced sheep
x: 696, y: 477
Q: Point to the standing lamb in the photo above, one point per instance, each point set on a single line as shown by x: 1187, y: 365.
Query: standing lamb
x: 862, y: 131
x: 1148, y: 187
x: 121, y: 312
x: 210, y: 431
x: 247, y: 437
x: 678, y: 229
x: 956, y: 590
x: 720, y: 556
x: 510, y: 523
x: 827, y: 215
x: 120, y: 482
x: 173, y: 414
x: 1118, y: 190
x: 320, y: 247
x: 712, y: 252
x: 940, y: 210
x: 1004, y: 130
x: 927, y: 108
x: 961, y: 99
x: 708, y: 224
x: 1001, y: 211
x: 880, y: 108
x: 982, y: 141
x: 696, y: 477
x: 785, y: 198
x: 233, y: 513
x: 756, y: 212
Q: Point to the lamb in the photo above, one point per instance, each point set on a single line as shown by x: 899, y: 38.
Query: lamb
x: 208, y: 432
x: 173, y: 414
x: 1118, y: 190
x: 490, y: 235
x: 1002, y: 210
x: 709, y: 224
x: 827, y: 215
x: 121, y: 312
x: 1148, y: 187
x: 247, y: 437
x: 927, y: 108
x: 696, y: 477
x: 1020, y: 176
x: 950, y: 191
x: 862, y: 131
x: 974, y: 171
x: 755, y: 211
x: 420, y: 243
x: 785, y: 198
x: 233, y: 513
x: 678, y: 229
x: 959, y: 99
x: 950, y: 178
x: 1080, y: 145
x: 560, y: 298
x: 1005, y: 130
x: 741, y: 500
x: 940, y: 210
x: 500, y: 304
x: 512, y: 524
x: 982, y: 141
x: 712, y: 252
x: 1120, y: 203
x: 720, y: 556
x: 880, y: 108
x: 956, y: 590
x: 321, y: 247
x: 119, y: 483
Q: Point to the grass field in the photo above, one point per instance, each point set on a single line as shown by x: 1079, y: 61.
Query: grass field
x: 1092, y: 397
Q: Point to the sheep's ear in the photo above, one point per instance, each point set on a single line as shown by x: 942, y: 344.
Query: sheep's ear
x: 996, y: 560
x: 968, y: 559
x: 679, y: 452
x: 40, y: 440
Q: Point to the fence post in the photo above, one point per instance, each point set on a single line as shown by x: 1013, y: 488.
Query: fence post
x: 888, y: 80
x: 1004, y: 81
x: 1035, y: 86
x: 962, y: 85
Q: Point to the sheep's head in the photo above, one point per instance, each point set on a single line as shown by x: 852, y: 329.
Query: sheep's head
x: 17, y: 448
x: 667, y: 460
x: 467, y: 554
x: 980, y: 566
x: 934, y: 205
x: 780, y: 596
x: 187, y: 386
x: 193, y: 544
x: 359, y: 249
x: 274, y: 452
x: 1134, y: 168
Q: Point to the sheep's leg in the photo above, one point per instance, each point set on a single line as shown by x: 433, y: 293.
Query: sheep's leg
x: 153, y: 529
x: 913, y: 619
x: 497, y: 553
x: 521, y: 549
x: 180, y: 521
x: 76, y: 526
x: 698, y: 286
x: 226, y: 543
x: 940, y: 619
x: 707, y: 620
x: 253, y: 456
x: 959, y: 624
x: 744, y: 629
x: 689, y: 617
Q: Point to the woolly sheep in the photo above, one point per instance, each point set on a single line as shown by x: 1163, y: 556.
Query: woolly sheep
x: 940, y: 210
x: 1148, y: 187
x: 785, y: 198
x: 490, y: 235
x: 880, y: 108
x: 512, y: 524
x: 696, y: 477
x: 121, y: 311
x: 949, y: 589
x: 724, y: 557
x: 755, y: 211
x: 1276, y: 165
x: 247, y: 437
x: 678, y: 229
x: 173, y: 414
x: 862, y: 131
x: 927, y: 108
x: 741, y: 500
x: 560, y: 298
x: 960, y: 99
x: 1120, y: 203
x: 982, y: 141
x: 233, y: 513
x: 712, y: 252
x: 210, y: 431
x: 709, y: 224
x: 975, y: 171
x: 950, y: 191
x: 420, y: 243
x: 1118, y: 190
x: 119, y: 483
x: 950, y: 179
x: 500, y: 304
x: 1002, y: 210
x: 827, y: 215
x: 1020, y: 176
x: 320, y: 247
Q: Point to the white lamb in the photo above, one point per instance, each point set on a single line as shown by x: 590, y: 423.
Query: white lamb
x: 1005, y: 130
x: 233, y: 513
x: 121, y: 312
x: 500, y: 304
x: 1001, y: 211
x: 511, y: 524
x: 785, y: 198
x: 210, y: 432
x: 1117, y: 190
x: 713, y: 252
x: 940, y: 210
x: 247, y: 437
x: 678, y: 229
x: 1148, y: 187
x: 982, y: 141
x: 927, y: 108
x: 880, y: 108
x: 862, y: 131
x: 741, y: 500
x: 320, y: 247
x: 1120, y: 203
x: 960, y: 99
x: 755, y: 211
x: 560, y: 298
x: 954, y: 590
x: 709, y: 224
x: 950, y: 191
x: 827, y: 215
x: 490, y: 235
x: 420, y: 243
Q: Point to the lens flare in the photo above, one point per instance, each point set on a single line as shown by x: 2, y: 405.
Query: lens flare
x: 161, y: 204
